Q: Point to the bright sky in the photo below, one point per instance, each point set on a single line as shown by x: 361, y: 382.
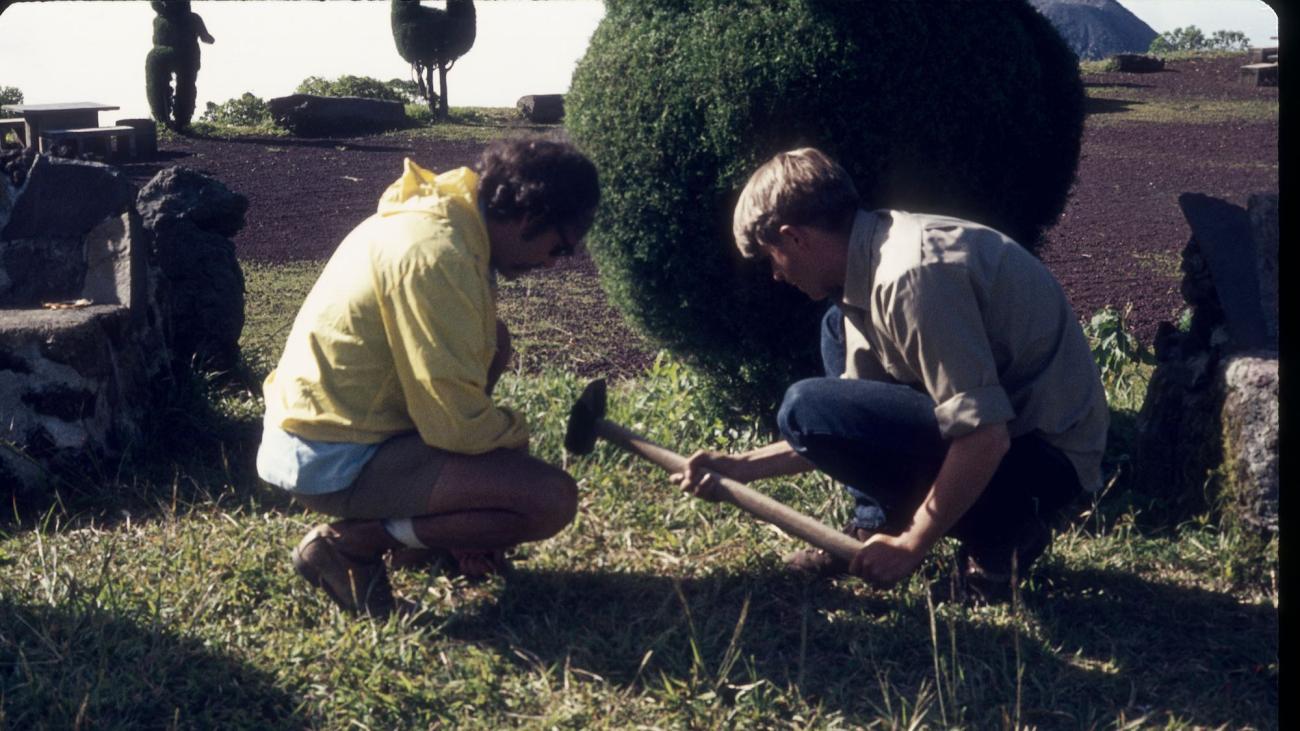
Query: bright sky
x: 95, y: 51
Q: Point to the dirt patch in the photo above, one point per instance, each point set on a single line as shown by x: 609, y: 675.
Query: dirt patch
x: 1149, y: 137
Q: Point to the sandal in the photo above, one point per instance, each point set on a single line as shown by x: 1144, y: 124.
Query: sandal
x: 354, y: 583
x: 477, y: 564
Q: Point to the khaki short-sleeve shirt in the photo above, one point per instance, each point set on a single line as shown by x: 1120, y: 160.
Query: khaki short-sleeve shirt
x: 971, y: 317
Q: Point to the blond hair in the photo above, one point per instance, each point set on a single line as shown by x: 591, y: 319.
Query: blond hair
x: 799, y: 187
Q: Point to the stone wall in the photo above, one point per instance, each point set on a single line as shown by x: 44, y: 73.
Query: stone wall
x: 1208, y: 430
x: 82, y: 351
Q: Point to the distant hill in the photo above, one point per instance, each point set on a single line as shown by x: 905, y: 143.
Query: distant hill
x: 1097, y: 28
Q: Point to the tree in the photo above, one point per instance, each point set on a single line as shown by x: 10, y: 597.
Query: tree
x: 1193, y: 39
x: 433, y: 38
x: 943, y: 106
x: 175, y: 54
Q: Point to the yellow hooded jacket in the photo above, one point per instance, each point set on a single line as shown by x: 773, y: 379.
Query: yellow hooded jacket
x: 399, y: 331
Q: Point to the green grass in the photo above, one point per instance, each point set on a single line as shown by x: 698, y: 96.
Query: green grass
x: 1120, y: 103
x: 467, y: 124
x: 167, y: 600
x: 1114, y: 104
x: 478, y: 124
x: 273, y: 295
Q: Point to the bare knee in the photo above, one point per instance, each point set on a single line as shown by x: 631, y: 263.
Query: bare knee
x: 554, y: 505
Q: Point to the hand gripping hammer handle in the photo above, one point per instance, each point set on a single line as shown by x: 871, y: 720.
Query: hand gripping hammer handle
x: 782, y: 516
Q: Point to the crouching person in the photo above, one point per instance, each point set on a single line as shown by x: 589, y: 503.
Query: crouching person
x: 960, y: 395
x: 380, y: 411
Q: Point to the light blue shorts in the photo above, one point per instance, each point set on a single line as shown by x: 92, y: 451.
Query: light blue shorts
x: 308, y: 467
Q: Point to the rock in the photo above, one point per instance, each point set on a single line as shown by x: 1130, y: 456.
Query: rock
x: 41, y: 270
x: 179, y: 193
x: 308, y: 115
x: 67, y: 198
x: 541, y: 108
x: 1095, y: 29
x: 75, y: 386
x: 1223, y: 232
x: 1137, y: 63
x: 8, y: 195
x: 191, y: 217
x: 1179, y: 436
x: 1250, y: 479
x: 1264, y: 230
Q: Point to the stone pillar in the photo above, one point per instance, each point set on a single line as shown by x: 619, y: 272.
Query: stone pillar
x: 1249, y: 481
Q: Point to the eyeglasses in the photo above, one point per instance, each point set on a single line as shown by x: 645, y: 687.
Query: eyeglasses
x: 566, y: 245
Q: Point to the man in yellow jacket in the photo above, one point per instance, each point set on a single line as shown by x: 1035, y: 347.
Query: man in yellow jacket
x: 380, y: 410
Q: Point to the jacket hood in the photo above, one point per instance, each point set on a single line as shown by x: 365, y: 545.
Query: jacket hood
x: 422, y: 190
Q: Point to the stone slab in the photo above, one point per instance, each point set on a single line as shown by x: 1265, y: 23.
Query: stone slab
x: 67, y: 198
x: 1224, y: 234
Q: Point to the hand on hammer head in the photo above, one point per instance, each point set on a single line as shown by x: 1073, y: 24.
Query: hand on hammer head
x: 699, y: 476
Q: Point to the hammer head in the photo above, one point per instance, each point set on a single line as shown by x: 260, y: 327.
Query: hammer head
x: 580, y: 438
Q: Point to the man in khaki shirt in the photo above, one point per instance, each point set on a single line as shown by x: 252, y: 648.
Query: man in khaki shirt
x: 961, y: 399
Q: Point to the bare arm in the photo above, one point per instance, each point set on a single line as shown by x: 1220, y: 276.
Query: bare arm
x: 966, y: 470
x: 773, y: 460
x: 200, y: 29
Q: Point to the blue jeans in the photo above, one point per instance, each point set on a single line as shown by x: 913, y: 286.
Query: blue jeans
x: 882, y: 441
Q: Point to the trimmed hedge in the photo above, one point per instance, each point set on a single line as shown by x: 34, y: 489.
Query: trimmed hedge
x: 175, y: 54
x: 973, y: 109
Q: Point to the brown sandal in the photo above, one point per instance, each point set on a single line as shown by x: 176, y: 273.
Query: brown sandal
x: 354, y: 583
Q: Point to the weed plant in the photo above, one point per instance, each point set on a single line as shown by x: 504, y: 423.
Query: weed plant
x: 161, y: 595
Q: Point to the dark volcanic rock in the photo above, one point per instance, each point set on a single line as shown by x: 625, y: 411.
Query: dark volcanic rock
x: 67, y: 198
x: 178, y: 193
x: 541, y: 108
x: 191, y: 217
x: 1097, y: 28
x: 308, y: 115
x: 1138, y: 63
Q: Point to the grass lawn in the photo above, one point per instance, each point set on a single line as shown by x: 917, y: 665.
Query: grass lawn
x: 171, y: 603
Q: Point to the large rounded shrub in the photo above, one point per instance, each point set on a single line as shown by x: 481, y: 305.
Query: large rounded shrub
x: 965, y: 108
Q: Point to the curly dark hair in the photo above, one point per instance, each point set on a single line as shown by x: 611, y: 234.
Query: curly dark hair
x: 545, y: 178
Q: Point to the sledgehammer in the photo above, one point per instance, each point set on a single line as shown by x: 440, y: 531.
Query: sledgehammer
x: 587, y: 422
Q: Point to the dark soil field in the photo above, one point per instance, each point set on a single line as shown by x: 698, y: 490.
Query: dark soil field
x: 1149, y: 137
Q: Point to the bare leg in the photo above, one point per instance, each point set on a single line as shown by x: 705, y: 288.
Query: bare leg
x: 479, y: 502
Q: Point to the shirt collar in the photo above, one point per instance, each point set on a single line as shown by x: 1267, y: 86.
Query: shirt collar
x: 858, y: 272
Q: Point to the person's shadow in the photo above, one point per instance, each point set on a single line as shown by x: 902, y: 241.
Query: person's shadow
x: 89, y: 668
x: 1107, y: 645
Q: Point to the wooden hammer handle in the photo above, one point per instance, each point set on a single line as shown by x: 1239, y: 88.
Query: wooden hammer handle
x: 751, y: 501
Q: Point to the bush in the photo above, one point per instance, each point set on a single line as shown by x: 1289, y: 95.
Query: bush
x: 393, y: 90
x: 245, y: 111
x: 11, y: 95
x: 968, y: 109
x: 1192, y: 38
x: 1120, y: 356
